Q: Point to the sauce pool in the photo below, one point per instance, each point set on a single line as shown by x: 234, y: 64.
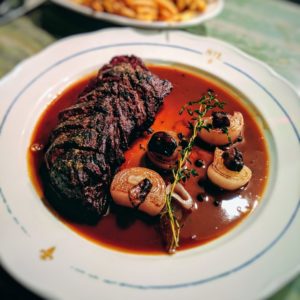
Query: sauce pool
x: 218, y: 211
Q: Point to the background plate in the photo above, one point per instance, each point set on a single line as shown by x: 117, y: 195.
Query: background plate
x: 250, y: 262
x: 213, y: 9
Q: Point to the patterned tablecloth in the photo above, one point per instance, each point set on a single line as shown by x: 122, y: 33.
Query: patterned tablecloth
x: 266, y: 29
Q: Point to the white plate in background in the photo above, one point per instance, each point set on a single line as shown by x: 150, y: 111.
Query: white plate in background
x: 213, y: 9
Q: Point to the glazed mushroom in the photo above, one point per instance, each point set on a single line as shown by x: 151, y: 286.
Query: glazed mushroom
x: 163, y: 149
x: 139, y: 188
x: 224, y: 128
x: 228, y: 170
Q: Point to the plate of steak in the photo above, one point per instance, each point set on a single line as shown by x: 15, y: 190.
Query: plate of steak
x: 86, y: 147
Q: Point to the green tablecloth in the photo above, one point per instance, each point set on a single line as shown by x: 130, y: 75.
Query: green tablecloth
x: 266, y: 29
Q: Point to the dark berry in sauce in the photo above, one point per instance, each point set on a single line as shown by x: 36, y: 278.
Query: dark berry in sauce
x: 239, y: 139
x: 216, y: 203
x: 162, y: 143
x: 199, y: 163
x: 201, y: 197
x: 201, y: 182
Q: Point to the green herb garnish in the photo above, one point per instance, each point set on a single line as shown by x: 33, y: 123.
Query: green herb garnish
x: 206, y: 103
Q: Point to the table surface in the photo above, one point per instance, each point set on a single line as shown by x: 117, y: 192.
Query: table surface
x: 268, y: 30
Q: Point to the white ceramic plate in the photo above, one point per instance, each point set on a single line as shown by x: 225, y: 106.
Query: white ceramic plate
x: 250, y: 262
x: 213, y: 9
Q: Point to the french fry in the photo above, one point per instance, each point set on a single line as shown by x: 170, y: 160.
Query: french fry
x: 167, y: 5
x: 201, y: 5
x: 141, y: 3
x: 181, y: 4
x: 108, y: 6
x: 193, y: 5
x: 146, y: 13
x: 146, y: 17
x: 96, y: 5
x: 116, y: 6
x: 197, y: 5
x: 165, y: 15
x: 127, y: 12
x: 187, y: 15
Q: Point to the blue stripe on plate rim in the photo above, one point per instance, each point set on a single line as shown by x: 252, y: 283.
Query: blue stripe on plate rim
x: 185, y: 284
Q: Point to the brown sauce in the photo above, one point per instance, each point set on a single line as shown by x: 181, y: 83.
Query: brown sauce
x: 218, y: 213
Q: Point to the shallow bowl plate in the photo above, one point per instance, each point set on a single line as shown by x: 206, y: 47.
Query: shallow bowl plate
x: 250, y: 262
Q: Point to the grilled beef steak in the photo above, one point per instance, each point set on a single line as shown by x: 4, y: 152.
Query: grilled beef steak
x: 87, y: 146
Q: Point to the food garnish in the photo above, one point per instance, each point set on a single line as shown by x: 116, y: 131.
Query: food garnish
x: 139, y: 188
x: 222, y: 128
x: 149, y: 10
x: 181, y: 173
x: 228, y: 170
x: 181, y: 195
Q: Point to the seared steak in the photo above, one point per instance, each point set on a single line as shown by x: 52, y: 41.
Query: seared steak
x: 87, y: 146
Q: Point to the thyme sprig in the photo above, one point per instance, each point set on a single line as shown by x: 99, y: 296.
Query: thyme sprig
x: 206, y: 103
